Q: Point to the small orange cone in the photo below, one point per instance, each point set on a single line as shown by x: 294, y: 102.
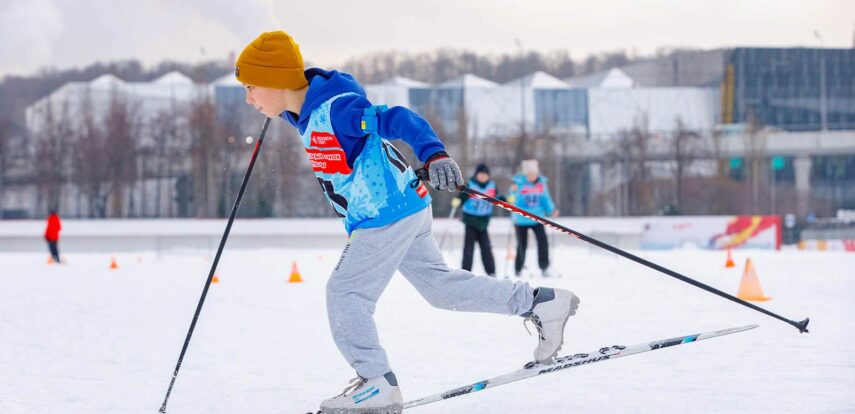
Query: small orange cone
x: 749, y: 286
x: 50, y: 260
x: 729, y: 263
x: 215, y: 279
x: 295, y: 274
x: 113, y: 264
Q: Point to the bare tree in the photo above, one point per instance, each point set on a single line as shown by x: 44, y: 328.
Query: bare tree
x: 755, y: 160
x: 629, y: 155
x: 206, y: 139
x: 165, y: 129
x: 684, y: 147
x: 5, y: 149
x: 52, y: 146
x: 121, y: 133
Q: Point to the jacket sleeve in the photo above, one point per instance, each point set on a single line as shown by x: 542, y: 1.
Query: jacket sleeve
x: 395, y: 123
x: 546, y: 200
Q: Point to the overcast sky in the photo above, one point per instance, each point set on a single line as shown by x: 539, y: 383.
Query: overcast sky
x: 35, y: 34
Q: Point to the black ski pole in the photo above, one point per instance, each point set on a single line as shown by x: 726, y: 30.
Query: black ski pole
x: 801, y: 325
x: 216, y: 260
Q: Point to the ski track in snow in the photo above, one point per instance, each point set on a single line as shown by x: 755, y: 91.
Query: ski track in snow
x: 80, y: 338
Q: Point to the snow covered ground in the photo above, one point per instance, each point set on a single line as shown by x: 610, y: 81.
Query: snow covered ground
x: 80, y: 338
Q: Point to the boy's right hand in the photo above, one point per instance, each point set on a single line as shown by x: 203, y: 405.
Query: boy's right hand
x: 443, y: 172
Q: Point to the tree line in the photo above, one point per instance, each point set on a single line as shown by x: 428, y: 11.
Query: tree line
x: 187, y: 159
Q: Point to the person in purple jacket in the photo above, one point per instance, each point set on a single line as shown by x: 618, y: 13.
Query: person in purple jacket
x: 385, y: 210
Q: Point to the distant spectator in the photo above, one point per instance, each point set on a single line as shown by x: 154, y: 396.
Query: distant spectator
x: 52, y: 235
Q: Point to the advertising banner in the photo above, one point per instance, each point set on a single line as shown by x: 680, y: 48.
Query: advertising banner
x: 717, y: 232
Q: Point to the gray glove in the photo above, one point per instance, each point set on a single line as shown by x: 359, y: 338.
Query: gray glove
x: 444, y: 173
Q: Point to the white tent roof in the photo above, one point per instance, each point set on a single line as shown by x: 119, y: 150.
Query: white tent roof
x: 611, y: 78
x: 227, y: 80
x: 173, y: 78
x: 106, y: 80
x: 468, y: 81
x: 402, y: 81
x: 539, y: 80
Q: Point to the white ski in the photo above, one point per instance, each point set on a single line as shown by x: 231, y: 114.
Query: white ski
x: 609, y: 352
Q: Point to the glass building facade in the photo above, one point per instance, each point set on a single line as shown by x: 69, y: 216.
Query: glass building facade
x: 794, y: 89
x: 439, y: 104
x: 560, y: 108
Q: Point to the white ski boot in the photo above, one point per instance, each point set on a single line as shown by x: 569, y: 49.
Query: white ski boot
x: 379, y: 395
x: 549, y: 314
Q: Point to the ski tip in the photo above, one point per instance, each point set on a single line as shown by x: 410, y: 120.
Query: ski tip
x: 802, y: 325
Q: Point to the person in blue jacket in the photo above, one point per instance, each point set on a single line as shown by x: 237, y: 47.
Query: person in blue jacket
x: 385, y: 209
x: 531, y: 193
x: 476, y: 217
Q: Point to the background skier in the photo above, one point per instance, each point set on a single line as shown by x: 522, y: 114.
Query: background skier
x: 531, y: 193
x: 476, y: 217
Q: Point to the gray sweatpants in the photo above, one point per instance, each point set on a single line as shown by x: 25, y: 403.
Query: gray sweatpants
x: 367, y: 264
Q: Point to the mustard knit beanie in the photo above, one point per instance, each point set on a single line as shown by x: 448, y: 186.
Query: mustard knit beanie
x: 272, y: 60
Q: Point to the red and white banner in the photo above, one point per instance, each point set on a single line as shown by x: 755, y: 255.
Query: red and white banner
x: 724, y: 232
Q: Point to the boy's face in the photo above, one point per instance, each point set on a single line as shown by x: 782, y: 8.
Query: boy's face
x: 532, y: 175
x: 482, y: 177
x: 269, y: 101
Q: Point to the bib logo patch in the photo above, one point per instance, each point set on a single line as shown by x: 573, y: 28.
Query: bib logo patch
x: 324, y: 140
x: 326, y: 154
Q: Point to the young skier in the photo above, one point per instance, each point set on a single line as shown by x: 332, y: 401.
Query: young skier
x: 476, y: 217
x: 385, y: 210
x: 530, y: 193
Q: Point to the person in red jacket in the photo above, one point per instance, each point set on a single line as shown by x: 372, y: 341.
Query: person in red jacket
x: 52, y: 235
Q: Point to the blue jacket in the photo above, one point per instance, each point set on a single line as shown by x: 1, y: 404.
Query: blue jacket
x: 532, y: 197
x: 346, y: 115
x: 366, y: 180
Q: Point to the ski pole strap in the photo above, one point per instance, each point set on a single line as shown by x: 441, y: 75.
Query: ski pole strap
x: 370, y: 121
x: 800, y: 325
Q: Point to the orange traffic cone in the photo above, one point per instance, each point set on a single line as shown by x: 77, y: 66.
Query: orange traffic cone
x: 729, y: 263
x: 749, y: 286
x: 113, y: 264
x: 50, y: 260
x: 295, y: 274
x: 215, y: 279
